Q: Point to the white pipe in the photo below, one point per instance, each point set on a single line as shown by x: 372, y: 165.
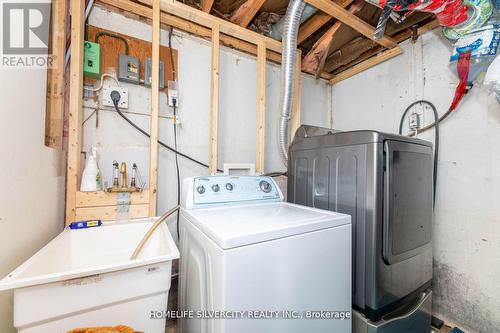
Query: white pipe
x: 288, y: 58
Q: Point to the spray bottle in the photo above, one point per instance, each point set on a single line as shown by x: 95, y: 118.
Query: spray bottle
x: 91, y: 178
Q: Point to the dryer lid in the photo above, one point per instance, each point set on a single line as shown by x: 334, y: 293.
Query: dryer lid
x: 240, y: 225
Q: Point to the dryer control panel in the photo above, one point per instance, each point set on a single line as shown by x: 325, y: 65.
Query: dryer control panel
x: 202, y: 191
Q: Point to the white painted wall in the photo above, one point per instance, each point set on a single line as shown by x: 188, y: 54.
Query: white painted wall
x: 467, y: 217
x: 116, y: 140
x: 31, y: 175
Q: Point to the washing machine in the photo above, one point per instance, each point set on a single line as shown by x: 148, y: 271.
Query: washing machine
x: 251, y: 262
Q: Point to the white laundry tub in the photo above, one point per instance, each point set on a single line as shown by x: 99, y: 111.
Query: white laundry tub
x: 84, y: 278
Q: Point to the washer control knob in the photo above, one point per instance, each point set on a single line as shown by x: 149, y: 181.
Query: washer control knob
x: 265, y: 186
x: 215, y: 188
x: 229, y: 187
x: 200, y: 189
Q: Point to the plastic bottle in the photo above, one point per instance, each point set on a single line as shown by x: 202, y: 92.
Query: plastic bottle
x: 91, y: 178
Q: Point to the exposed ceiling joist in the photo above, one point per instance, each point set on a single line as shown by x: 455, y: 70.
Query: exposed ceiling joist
x: 314, y: 61
x: 351, y: 20
x: 204, y: 19
x: 313, y: 24
x: 246, y: 12
x: 206, y: 5
x: 360, y: 49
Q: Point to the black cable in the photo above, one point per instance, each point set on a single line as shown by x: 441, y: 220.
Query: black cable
x: 109, y: 34
x: 116, y: 99
x: 174, y: 102
x: 275, y: 174
x: 437, y: 120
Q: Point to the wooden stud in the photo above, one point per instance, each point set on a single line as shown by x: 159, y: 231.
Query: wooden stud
x: 246, y: 12
x: 75, y: 108
x: 295, y: 116
x: 351, y: 20
x: 206, y: 5
x: 214, y: 118
x: 386, y: 55
x: 261, y: 107
x: 54, y: 114
x: 315, y: 59
x: 155, y: 106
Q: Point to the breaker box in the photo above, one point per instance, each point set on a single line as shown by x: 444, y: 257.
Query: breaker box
x: 129, y: 69
x: 147, y: 74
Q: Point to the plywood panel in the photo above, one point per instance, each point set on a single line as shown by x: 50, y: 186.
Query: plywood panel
x: 111, y: 47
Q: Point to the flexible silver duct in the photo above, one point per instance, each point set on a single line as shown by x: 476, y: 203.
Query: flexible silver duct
x: 277, y: 28
x: 288, y: 58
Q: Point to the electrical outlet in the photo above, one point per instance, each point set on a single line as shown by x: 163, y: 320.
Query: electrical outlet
x: 172, y: 93
x: 106, y: 97
x: 414, y: 121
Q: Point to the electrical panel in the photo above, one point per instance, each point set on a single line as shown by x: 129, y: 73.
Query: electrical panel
x: 148, y: 70
x: 92, y: 60
x: 129, y: 69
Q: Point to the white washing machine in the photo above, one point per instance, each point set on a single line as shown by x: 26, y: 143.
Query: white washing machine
x: 265, y: 264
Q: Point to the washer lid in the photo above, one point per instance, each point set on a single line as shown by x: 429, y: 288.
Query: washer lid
x: 234, y: 226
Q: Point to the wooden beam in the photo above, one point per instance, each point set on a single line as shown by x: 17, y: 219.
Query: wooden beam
x: 155, y: 108
x: 54, y: 113
x: 315, y: 59
x: 75, y: 108
x: 214, y: 117
x: 108, y: 213
x: 349, y: 52
x: 246, y: 12
x: 204, y: 19
x: 351, y: 20
x: 295, y: 116
x: 101, y: 198
x: 187, y: 26
x: 195, y: 29
x: 261, y: 107
x: 386, y: 55
x: 206, y: 5
x: 361, y: 49
x: 313, y: 24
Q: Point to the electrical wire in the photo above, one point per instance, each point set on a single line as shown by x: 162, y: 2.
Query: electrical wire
x: 174, y: 102
x: 109, y: 34
x: 102, y: 82
x: 164, y: 145
x: 437, y: 120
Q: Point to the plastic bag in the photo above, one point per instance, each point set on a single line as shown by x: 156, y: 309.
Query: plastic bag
x: 492, y: 78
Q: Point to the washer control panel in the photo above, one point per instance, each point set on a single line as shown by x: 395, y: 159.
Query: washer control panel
x: 232, y: 189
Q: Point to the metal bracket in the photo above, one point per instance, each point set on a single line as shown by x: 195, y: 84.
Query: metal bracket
x: 123, y: 200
